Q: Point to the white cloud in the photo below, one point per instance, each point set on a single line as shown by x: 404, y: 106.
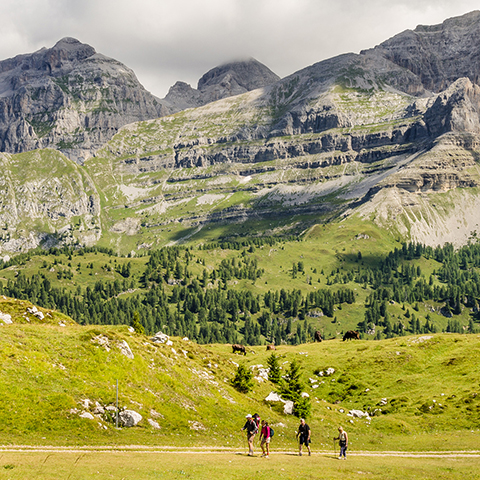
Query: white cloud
x: 168, y: 40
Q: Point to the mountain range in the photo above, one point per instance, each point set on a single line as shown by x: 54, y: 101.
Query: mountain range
x: 390, y: 135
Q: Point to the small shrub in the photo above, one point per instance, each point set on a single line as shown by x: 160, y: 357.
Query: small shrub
x: 243, y: 380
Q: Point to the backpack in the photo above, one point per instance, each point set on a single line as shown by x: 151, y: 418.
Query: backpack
x: 272, y: 433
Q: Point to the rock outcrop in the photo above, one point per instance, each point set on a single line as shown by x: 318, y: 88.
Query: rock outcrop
x: 69, y: 97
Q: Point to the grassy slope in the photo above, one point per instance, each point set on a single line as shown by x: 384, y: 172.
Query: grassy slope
x: 430, y: 384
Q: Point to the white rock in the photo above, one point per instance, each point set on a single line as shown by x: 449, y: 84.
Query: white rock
x: 125, y: 349
x: 288, y: 408
x: 87, y: 415
x: 169, y: 342
x: 330, y: 371
x: 6, y: 318
x: 196, y: 425
x: 160, y: 337
x: 39, y: 315
x: 185, y: 339
x: 274, y: 397
x: 305, y: 395
x: 358, y: 414
x: 85, y: 403
x: 129, y: 418
x: 154, y: 424
x: 131, y: 329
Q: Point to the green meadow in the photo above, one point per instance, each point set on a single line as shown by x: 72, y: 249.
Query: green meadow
x: 148, y: 465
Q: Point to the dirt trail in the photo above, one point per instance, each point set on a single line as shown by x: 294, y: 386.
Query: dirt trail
x: 225, y: 451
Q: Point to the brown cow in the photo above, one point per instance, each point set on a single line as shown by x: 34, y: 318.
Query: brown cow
x: 239, y: 348
x: 271, y: 347
x: 351, y: 335
x: 318, y: 336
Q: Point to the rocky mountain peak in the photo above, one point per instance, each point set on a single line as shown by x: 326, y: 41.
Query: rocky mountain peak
x: 224, y: 81
x: 70, y: 98
x: 73, y: 49
x: 248, y: 75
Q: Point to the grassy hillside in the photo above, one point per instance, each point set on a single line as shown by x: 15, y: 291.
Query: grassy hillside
x: 283, y: 290
x: 421, y: 391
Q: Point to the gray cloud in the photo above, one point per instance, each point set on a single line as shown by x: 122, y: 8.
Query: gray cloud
x: 168, y: 40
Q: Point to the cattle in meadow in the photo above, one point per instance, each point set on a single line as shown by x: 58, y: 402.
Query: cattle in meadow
x: 317, y: 336
x: 351, y: 335
x: 239, y: 348
x: 271, y: 347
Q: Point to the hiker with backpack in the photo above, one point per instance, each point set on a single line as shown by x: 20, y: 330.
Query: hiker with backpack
x: 252, y: 429
x: 265, y: 436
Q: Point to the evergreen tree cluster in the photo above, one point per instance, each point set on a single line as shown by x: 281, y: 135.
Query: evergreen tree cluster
x: 207, y: 308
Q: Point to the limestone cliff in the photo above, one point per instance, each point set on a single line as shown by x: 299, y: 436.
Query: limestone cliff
x: 70, y: 98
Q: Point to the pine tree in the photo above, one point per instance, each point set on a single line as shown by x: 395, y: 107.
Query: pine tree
x: 274, y: 372
x: 291, y: 385
x: 136, y: 325
x: 243, y: 380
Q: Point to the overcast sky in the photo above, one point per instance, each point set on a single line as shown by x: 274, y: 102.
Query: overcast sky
x: 168, y: 40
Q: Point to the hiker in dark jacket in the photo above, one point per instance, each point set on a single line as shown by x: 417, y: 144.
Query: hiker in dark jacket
x: 252, y: 429
x: 303, y: 436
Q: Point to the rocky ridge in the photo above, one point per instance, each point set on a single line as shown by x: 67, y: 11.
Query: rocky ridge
x: 224, y: 81
x: 68, y: 97
x: 353, y: 134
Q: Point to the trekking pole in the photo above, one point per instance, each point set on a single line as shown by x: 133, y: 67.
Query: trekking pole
x: 334, y: 448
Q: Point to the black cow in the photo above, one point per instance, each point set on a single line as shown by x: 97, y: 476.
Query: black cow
x: 239, y: 348
x: 351, y: 335
x: 317, y: 336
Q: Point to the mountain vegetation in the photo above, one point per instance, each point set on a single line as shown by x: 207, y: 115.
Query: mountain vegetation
x: 236, y: 292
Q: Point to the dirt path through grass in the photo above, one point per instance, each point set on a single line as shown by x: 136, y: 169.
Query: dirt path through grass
x: 226, y: 450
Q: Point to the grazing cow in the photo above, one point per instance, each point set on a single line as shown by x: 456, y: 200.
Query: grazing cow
x: 318, y: 336
x: 271, y: 347
x: 239, y: 348
x: 351, y: 335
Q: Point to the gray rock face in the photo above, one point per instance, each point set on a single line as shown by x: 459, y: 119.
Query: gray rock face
x: 68, y: 97
x: 438, y: 54
x: 220, y: 82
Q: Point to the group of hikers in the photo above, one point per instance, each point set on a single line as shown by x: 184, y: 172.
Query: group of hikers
x: 253, y: 425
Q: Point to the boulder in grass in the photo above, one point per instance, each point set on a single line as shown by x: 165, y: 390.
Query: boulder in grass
x: 288, y: 407
x: 6, y: 318
x: 87, y: 415
x: 358, y: 414
x: 161, y: 337
x: 274, y: 397
x: 129, y: 418
x: 125, y: 349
